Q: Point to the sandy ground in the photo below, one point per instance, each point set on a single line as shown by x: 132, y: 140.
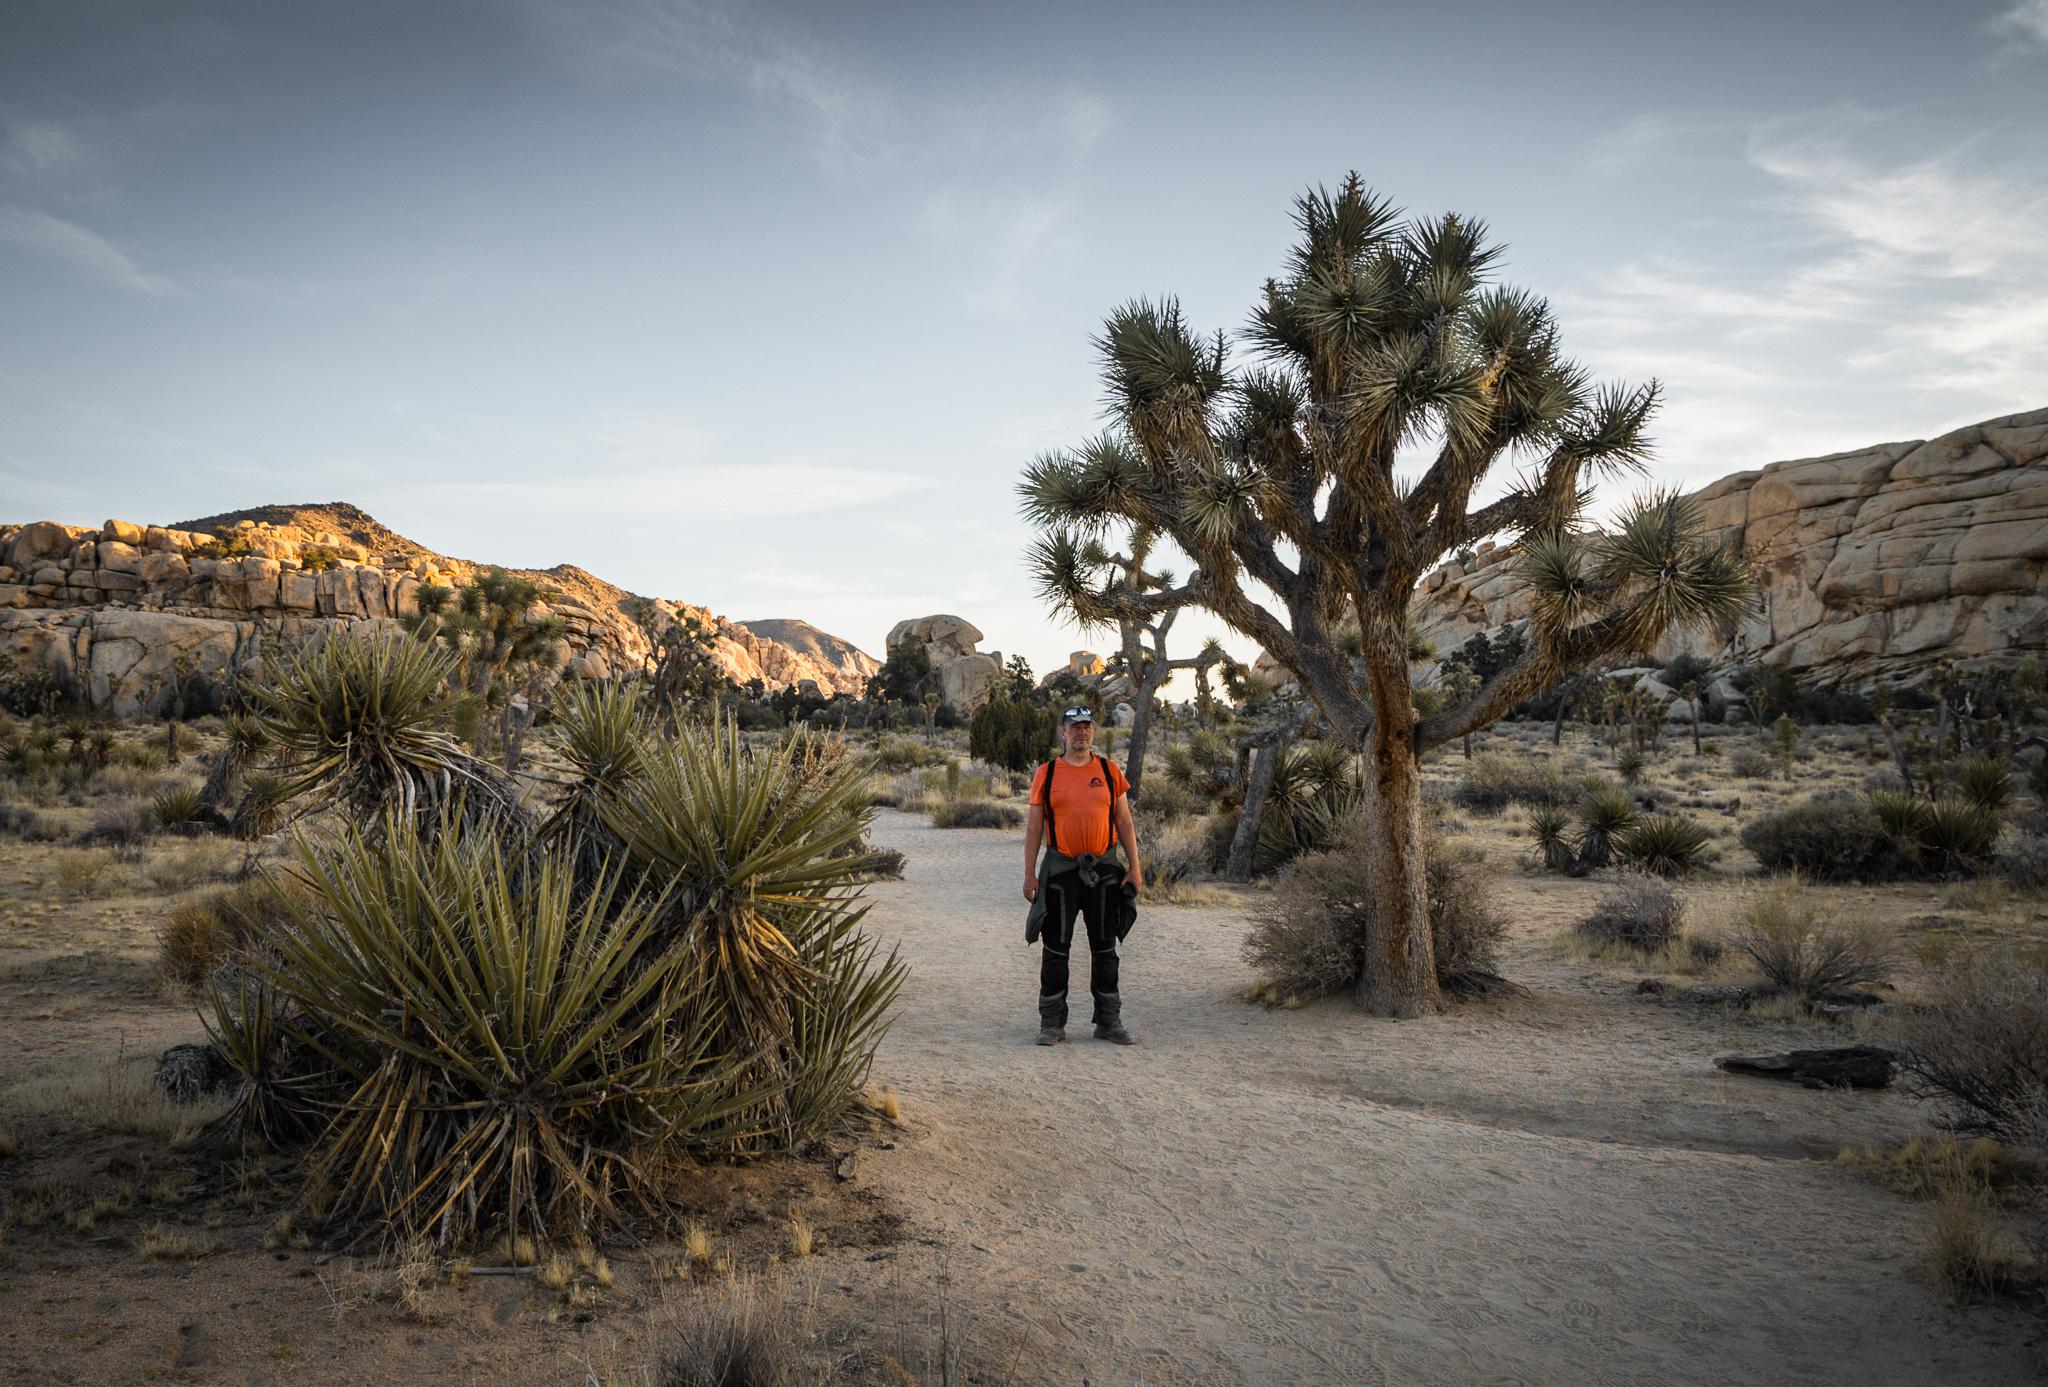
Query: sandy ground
x: 1555, y: 1188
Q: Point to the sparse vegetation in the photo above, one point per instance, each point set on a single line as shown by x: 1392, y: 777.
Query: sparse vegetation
x: 1640, y: 913
x: 1799, y: 945
x: 1979, y: 1045
x: 1665, y: 845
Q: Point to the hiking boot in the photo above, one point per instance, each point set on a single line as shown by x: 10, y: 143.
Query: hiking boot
x: 1109, y: 1019
x: 1052, y: 1018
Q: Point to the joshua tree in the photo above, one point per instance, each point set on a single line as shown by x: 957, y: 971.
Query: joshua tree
x: 1141, y: 656
x: 687, y: 677
x: 490, y: 625
x: 1690, y: 692
x: 1382, y: 339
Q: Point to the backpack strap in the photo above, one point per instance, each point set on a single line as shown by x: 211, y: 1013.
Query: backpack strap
x: 1109, y: 784
x: 1052, y: 839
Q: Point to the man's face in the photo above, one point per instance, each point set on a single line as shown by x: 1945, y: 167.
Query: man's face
x: 1080, y: 736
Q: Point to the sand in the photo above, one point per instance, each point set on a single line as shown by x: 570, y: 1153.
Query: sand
x: 1554, y: 1188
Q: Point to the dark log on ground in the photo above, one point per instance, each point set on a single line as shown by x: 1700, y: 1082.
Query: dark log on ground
x: 1847, y: 1066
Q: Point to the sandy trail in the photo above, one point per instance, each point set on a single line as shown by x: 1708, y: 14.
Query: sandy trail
x: 1558, y: 1188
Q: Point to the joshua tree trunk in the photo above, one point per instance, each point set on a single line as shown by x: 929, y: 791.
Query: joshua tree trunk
x: 1265, y: 764
x: 1400, y: 963
x: 1564, y: 705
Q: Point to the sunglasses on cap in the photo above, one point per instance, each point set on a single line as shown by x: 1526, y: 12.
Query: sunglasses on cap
x: 1074, y: 715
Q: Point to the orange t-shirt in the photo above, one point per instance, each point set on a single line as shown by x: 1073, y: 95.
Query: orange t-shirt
x: 1081, y: 803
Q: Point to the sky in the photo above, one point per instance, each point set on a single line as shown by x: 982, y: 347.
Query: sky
x: 765, y: 307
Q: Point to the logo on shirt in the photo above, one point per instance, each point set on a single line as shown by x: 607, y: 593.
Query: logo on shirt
x: 1092, y: 784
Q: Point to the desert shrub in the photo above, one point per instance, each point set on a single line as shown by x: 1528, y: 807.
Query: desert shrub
x: 30, y: 825
x: 2023, y: 861
x: 1788, y: 933
x: 1665, y: 845
x: 260, y: 810
x: 1749, y: 763
x: 1629, y: 763
x: 1979, y: 1046
x: 1306, y: 938
x: 1831, y: 840
x: 196, y: 938
x: 1604, y: 813
x: 120, y: 823
x: 83, y: 872
x: 1638, y: 912
x: 901, y: 754
x: 188, y: 865
x: 1492, y: 781
x: 1550, y: 826
x: 968, y: 812
x: 604, y: 729
x: 1175, y: 853
x: 178, y: 809
x: 1164, y: 800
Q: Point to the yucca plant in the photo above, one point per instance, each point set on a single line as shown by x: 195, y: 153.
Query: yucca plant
x: 1605, y: 812
x: 358, y: 721
x: 179, y: 809
x: 1959, y: 834
x: 515, y: 1053
x: 1985, y: 781
x: 1665, y: 845
x: 260, y: 810
x: 243, y: 742
x: 1550, y: 826
x: 1629, y: 763
x: 761, y: 912
x: 605, y: 732
x: 1902, y: 817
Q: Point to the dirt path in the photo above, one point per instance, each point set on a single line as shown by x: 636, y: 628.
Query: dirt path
x: 1557, y: 1188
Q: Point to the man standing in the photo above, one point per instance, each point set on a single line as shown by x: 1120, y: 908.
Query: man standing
x: 1080, y: 809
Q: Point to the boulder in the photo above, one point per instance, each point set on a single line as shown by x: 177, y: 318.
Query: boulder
x: 965, y: 682
x: 1085, y: 664
x: 44, y: 539
x: 119, y: 556
x: 944, y: 637
x: 122, y: 532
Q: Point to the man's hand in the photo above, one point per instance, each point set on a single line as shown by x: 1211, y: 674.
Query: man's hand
x: 1031, y: 887
x: 1137, y: 879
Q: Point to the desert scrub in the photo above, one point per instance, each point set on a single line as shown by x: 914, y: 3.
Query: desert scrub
x: 1640, y: 913
x: 967, y: 812
x: 1492, y: 781
x: 1827, y: 840
x: 1306, y: 938
x: 196, y: 938
x: 1749, y: 763
x: 1604, y: 814
x: 178, y: 808
x: 1979, y: 1046
x: 1787, y: 931
x: 83, y: 872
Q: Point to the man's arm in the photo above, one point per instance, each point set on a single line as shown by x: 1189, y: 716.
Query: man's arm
x: 1127, y: 834
x: 1034, y: 834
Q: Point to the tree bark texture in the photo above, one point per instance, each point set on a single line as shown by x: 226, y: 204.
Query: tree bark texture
x: 1399, y: 977
x: 1265, y: 765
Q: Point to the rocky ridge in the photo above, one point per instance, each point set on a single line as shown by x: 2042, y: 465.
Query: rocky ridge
x: 126, y: 612
x: 1873, y: 563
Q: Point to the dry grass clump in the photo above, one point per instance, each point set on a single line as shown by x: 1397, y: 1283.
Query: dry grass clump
x: 1639, y: 913
x: 740, y: 1335
x: 1788, y: 933
x: 189, y: 865
x: 31, y: 825
x: 83, y: 872
x: 968, y: 812
x: 111, y: 1093
x: 1923, y: 1167
x: 1979, y: 1045
x: 1306, y: 938
x: 163, y: 1242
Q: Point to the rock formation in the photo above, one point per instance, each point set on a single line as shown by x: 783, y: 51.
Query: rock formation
x: 1874, y: 563
x: 128, y: 613
x: 965, y: 674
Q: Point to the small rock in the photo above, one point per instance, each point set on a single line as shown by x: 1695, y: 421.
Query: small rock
x: 187, y: 1073
x: 847, y: 1165
x: 195, y: 1349
x: 1848, y: 1066
x: 1652, y: 987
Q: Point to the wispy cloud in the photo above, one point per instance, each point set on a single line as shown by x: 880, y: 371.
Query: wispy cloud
x: 85, y: 250
x: 39, y: 149
x: 2027, y: 22
x: 1845, y: 277
x: 846, y: 118
x: 1000, y: 241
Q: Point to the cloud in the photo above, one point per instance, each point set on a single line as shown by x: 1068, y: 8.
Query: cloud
x: 846, y: 118
x: 1001, y: 239
x: 2027, y: 21
x: 39, y: 149
x: 84, y: 250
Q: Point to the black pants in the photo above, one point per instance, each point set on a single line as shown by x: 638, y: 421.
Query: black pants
x: 1067, y: 897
